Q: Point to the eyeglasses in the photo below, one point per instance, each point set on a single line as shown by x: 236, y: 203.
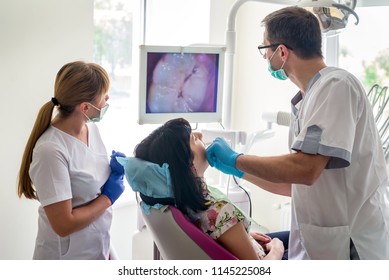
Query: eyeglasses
x: 263, y: 48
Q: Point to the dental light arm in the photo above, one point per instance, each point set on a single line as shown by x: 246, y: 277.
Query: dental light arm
x: 280, y: 118
x: 230, y: 52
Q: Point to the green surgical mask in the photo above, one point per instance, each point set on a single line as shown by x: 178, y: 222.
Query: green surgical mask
x: 278, y: 74
x: 100, y: 116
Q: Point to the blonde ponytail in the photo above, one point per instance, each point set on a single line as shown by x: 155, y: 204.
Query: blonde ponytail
x: 43, y: 120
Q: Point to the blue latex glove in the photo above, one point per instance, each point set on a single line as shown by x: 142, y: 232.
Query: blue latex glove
x: 221, y: 156
x: 114, y: 187
x: 228, y: 169
x: 116, y: 167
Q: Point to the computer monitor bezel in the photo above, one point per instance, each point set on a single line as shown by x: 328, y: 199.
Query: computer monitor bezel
x: 145, y: 117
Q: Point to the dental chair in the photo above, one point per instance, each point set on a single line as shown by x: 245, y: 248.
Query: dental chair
x: 176, y: 238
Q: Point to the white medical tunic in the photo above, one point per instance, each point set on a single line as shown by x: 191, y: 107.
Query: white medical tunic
x: 348, y: 204
x: 62, y: 168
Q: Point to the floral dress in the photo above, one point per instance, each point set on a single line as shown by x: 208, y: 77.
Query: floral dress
x: 220, y: 216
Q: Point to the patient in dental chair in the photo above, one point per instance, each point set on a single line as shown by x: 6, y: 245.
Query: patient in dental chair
x: 178, y: 157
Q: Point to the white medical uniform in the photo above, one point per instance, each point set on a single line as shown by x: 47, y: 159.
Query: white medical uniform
x: 349, y: 201
x: 62, y: 168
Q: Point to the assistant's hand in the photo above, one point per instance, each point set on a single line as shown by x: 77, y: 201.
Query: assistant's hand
x: 113, y: 187
x: 116, y: 167
x: 221, y: 156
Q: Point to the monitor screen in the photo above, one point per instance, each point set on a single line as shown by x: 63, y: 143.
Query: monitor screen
x: 178, y: 81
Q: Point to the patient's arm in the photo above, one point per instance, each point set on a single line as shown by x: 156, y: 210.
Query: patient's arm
x: 236, y: 240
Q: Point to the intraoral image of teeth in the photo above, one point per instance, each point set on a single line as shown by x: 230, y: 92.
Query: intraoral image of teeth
x: 182, y: 83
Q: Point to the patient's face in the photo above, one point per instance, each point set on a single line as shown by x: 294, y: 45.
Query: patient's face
x: 197, y: 146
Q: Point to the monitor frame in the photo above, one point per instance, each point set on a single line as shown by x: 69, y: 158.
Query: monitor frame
x: 145, y: 117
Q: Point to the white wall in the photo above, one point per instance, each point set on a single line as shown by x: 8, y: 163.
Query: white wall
x: 254, y: 92
x: 37, y: 38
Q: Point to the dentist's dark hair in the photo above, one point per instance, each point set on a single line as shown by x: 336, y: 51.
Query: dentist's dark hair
x: 76, y: 82
x: 170, y: 143
x: 295, y: 27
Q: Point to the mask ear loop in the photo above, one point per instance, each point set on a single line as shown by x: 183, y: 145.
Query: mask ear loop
x: 282, y: 66
x: 278, y: 48
x: 85, y: 109
x: 270, y: 58
x: 282, y: 54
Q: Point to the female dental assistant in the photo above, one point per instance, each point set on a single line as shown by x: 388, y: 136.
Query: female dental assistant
x: 336, y: 171
x: 67, y: 163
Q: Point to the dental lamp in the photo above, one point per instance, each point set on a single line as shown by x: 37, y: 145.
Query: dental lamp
x: 331, y: 15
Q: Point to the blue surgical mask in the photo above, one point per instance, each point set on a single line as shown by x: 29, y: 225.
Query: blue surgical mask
x: 278, y: 74
x: 100, y: 116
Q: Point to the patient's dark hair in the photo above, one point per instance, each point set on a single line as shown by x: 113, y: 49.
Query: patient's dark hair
x: 170, y: 143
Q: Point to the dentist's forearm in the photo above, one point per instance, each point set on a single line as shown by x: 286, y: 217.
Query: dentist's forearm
x: 276, y: 188
x: 297, y: 168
